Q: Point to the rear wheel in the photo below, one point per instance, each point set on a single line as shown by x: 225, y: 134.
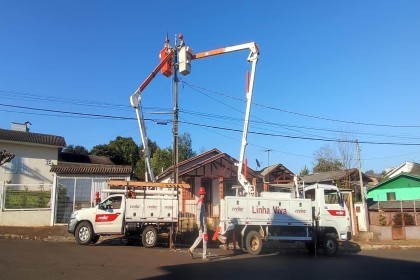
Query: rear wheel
x: 149, y: 237
x: 330, y: 245
x: 83, y: 233
x: 253, y: 243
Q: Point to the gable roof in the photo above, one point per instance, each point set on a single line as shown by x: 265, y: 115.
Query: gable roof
x: 401, y: 175
x: 82, y: 158
x: 201, y: 160
x: 33, y: 138
x: 72, y: 163
x: 405, y: 167
x: 274, y: 167
x: 334, y: 176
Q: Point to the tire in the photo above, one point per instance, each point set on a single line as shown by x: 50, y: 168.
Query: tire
x: 253, y: 242
x: 149, y: 237
x: 330, y: 245
x: 84, y: 233
x: 95, y: 238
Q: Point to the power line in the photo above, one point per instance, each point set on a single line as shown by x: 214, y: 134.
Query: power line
x: 215, y: 127
x: 201, y: 89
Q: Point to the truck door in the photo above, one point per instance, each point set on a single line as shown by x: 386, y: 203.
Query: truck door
x: 333, y: 212
x: 109, y: 216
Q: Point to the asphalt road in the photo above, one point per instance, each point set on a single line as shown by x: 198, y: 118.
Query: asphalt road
x: 27, y: 259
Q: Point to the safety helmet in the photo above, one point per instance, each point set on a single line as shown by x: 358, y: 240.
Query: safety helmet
x: 202, y: 191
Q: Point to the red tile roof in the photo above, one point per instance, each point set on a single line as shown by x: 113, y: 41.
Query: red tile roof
x: 87, y: 168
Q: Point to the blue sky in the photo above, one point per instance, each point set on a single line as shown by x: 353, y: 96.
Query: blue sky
x: 327, y: 70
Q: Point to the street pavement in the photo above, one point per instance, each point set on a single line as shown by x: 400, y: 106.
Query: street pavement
x: 60, y: 234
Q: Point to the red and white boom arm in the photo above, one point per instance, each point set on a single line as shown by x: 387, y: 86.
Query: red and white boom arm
x: 136, y: 104
x: 253, y: 58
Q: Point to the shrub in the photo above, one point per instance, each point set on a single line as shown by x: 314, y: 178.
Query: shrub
x: 382, y: 219
x: 408, y: 219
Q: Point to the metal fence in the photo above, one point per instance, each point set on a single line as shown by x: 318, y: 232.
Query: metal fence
x: 76, y: 193
x: 26, y: 196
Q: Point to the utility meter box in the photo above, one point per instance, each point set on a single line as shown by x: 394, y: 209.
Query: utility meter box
x: 184, y: 60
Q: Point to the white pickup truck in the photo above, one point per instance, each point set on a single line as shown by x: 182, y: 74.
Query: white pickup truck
x: 320, y: 219
x: 144, y: 213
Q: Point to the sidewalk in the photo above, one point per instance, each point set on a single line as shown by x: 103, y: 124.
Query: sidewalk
x: 60, y: 234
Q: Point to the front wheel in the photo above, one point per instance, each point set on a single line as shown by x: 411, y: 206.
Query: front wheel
x: 253, y: 243
x: 149, y: 237
x: 330, y: 245
x: 84, y: 233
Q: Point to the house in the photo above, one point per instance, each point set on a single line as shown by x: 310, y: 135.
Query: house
x: 78, y: 178
x: 41, y: 186
x: 26, y: 182
x: 400, y: 193
x: 346, y: 179
x: 406, y: 167
x: 277, y: 178
x: 399, y: 187
x: 217, y: 173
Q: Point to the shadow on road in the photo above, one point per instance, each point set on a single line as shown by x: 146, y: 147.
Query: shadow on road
x: 293, y: 265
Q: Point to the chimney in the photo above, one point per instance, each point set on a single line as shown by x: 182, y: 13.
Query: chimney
x: 21, y: 126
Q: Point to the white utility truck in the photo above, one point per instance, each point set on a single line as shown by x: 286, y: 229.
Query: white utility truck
x: 136, y: 210
x: 320, y: 219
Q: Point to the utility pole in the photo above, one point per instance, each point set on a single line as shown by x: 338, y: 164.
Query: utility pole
x: 175, y: 170
x: 362, y: 191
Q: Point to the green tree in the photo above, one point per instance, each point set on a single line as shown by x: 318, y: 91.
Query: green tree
x: 326, y: 160
x: 304, y: 171
x: 102, y: 150
x: 185, y: 150
x: 76, y: 149
x: 122, y: 150
x: 162, y: 159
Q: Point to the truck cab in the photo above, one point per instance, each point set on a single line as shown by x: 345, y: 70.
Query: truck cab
x: 106, y: 218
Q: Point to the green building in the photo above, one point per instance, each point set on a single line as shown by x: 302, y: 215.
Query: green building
x: 401, y: 187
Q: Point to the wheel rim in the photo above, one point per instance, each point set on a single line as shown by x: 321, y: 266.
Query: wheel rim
x: 330, y: 245
x: 150, y: 237
x: 84, y: 234
x: 255, y: 243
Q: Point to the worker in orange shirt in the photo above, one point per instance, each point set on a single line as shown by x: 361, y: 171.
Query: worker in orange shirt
x: 201, y: 223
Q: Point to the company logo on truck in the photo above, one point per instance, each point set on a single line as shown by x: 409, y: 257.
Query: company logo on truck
x: 136, y: 206
x: 106, y: 217
x: 265, y: 210
x: 168, y: 207
x: 341, y: 213
x: 300, y: 211
x: 237, y: 209
x: 152, y: 207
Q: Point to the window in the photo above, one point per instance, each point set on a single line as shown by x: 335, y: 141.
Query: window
x: 310, y: 194
x: 331, y: 197
x: 390, y: 196
x: 17, y: 165
x: 113, y: 202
